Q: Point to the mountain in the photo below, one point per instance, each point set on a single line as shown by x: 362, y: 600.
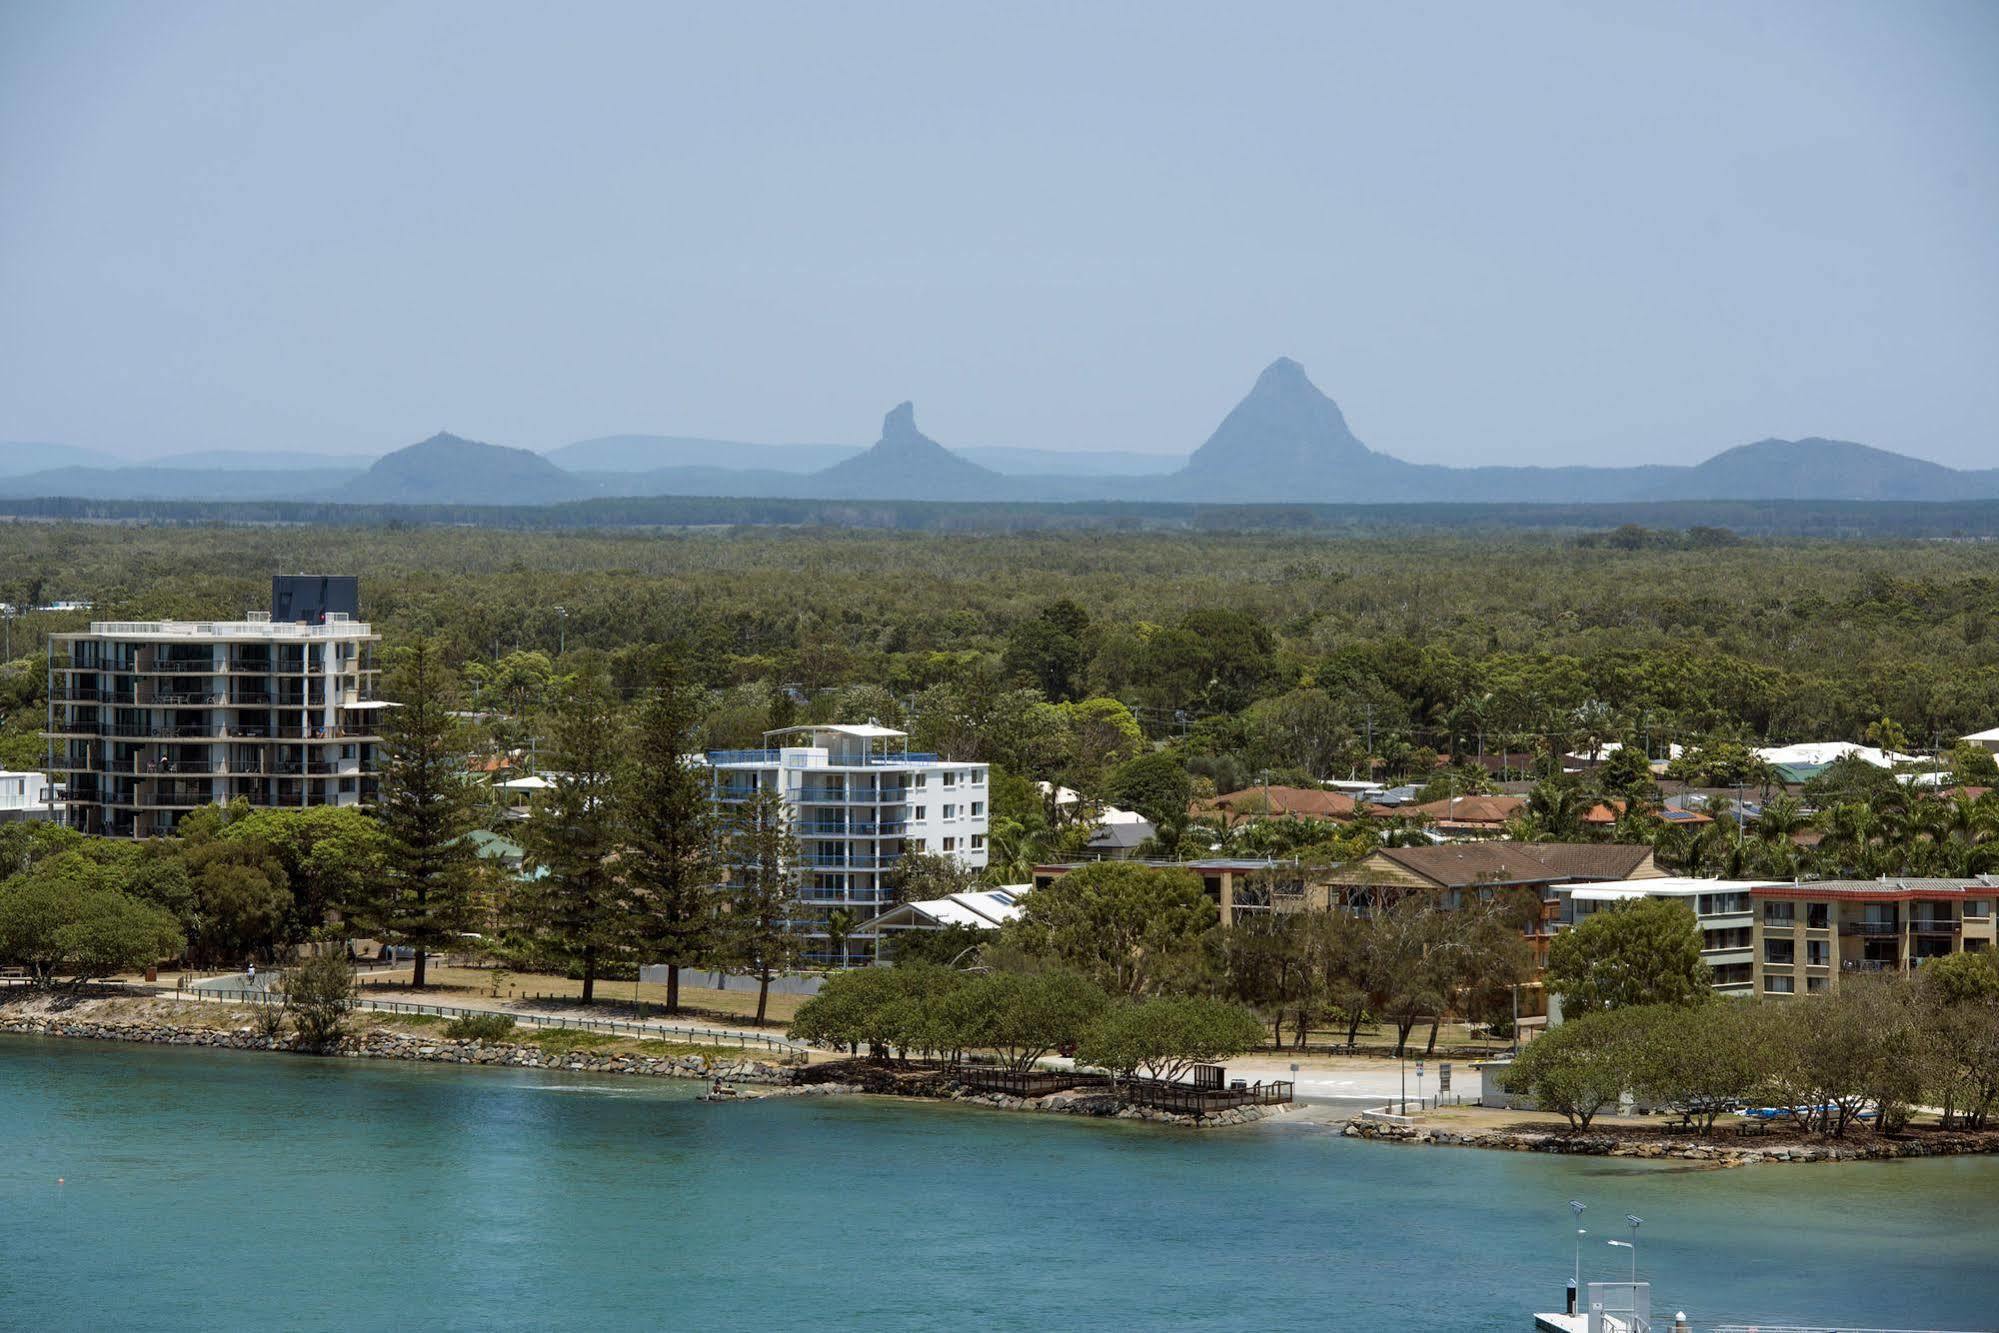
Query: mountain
x: 906, y: 464
x: 19, y: 457
x: 651, y: 453
x: 1816, y: 469
x: 445, y: 469
x: 1287, y: 441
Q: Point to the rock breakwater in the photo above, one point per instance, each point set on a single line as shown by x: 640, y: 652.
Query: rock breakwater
x: 1943, y: 1144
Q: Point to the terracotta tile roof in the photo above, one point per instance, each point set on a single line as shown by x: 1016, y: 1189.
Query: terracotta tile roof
x: 1492, y: 810
x: 1304, y: 802
x: 1466, y: 864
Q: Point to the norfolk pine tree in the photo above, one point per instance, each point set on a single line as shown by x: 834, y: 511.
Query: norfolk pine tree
x: 576, y: 906
x: 432, y: 872
x: 668, y: 868
x: 762, y: 937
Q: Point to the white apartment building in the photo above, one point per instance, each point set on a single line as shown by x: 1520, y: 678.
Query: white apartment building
x: 151, y: 719
x: 25, y: 796
x: 858, y: 799
x: 1721, y: 907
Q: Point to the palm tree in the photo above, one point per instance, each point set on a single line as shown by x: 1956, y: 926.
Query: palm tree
x: 840, y: 923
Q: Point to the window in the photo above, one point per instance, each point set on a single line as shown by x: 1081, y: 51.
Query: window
x: 1732, y: 937
x: 1731, y: 974
x: 978, y: 842
x: 1779, y: 951
x: 950, y: 779
x: 1816, y: 985
x: 1815, y: 915
x: 950, y: 844
x: 1977, y: 909
x: 1779, y: 986
x: 978, y: 776
x: 1723, y: 904
x: 920, y: 813
x: 921, y: 780
x: 1782, y: 914
x: 978, y: 808
x: 1818, y: 952
x: 950, y: 812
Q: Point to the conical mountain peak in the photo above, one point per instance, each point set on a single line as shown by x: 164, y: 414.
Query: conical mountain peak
x: 1283, y: 437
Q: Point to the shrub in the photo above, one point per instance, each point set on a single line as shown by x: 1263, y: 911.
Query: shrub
x: 480, y: 1027
x: 319, y: 991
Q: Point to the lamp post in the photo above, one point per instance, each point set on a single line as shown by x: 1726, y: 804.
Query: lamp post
x: 1627, y: 1245
x: 1577, y: 1206
x: 561, y: 630
x: 1634, y: 1222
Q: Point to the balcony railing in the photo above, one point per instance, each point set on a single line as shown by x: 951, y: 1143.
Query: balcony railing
x: 1938, y: 925
x: 1867, y: 965
x: 1870, y: 928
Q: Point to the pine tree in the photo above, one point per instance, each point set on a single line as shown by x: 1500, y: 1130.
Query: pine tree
x: 432, y: 873
x: 763, y: 933
x: 669, y: 874
x: 575, y: 904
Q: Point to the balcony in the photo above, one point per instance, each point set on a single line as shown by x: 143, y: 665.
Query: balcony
x: 1868, y: 965
x: 1939, y: 925
x: 1870, y: 928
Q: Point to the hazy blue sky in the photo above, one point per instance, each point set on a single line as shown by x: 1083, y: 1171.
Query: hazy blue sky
x: 1548, y: 233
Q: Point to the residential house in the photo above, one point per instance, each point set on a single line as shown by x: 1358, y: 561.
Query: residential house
x: 980, y: 909
x: 1276, y: 803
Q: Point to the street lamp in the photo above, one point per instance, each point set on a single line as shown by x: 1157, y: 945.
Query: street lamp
x: 1634, y: 1222
x: 1576, y: 1206
x: 1627, y: 1245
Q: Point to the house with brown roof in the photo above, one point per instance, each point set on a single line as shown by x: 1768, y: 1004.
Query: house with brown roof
x: 1460, y: 814
x: 1277, y: 803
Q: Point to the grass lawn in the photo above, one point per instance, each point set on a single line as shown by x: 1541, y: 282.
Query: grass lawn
x: 457, y: 985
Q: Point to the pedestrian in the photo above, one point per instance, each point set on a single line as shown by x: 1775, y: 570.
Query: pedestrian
x: 253, y: 976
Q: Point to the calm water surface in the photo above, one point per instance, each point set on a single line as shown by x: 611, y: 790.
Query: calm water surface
x: 218, y: 1190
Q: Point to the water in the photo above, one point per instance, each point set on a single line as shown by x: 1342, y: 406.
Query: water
x: 221, y: 1190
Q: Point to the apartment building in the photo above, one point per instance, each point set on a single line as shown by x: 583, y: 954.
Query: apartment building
x: 27, y: 796
x: 1807, y: 937
x: 151, y: 719
x: 1722, y: 909
x: 859, y: 800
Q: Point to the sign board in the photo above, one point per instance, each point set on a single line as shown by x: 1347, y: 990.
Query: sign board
x: 1444, y: 1076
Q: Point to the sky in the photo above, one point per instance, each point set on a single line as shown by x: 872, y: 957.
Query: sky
x: 1529, y: 232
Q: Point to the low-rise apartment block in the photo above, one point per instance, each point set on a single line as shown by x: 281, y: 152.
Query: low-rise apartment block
x: 1807, y: 937
x: 151, y: 719
x: 859, y: 800
x: 1722, y: 909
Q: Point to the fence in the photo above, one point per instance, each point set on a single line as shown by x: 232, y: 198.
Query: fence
x: 1190, y: 1099
x: 1027, y: 1082
x: 616, y: 1027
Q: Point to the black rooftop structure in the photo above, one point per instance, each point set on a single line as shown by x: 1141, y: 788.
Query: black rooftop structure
x: 311, y: 597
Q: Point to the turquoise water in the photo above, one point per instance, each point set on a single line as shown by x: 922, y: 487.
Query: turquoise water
x: 221, y: 1190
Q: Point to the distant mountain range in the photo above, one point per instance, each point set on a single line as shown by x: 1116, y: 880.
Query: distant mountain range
x: 1284, y: 443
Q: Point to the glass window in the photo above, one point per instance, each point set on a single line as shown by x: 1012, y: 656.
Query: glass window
x: 950, y: 844
x: 1779, y: 986
x: 1815, y: 915
x: 1779, y: 951
x: 978, y: 808
x: 1977, y: 909
x: 978, y: 842
x: 1780, y: 912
